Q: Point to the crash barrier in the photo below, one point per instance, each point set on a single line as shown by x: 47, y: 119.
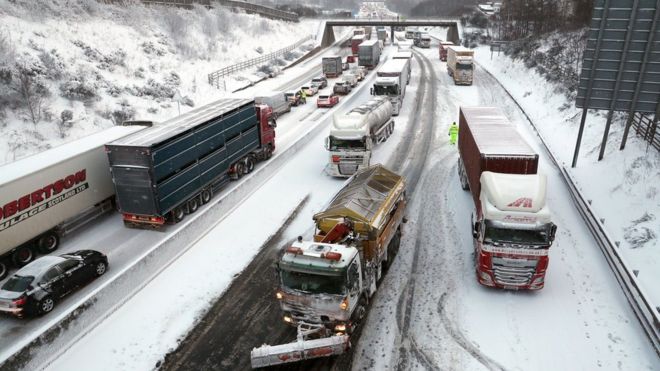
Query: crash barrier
x: 214, y: 77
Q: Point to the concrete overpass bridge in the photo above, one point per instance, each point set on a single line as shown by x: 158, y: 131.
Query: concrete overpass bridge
x: 453, y: 24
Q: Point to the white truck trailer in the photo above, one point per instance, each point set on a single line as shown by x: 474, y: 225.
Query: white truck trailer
x: 391, y: 80
x: 460, y: 64
x: 47, y: 195
x: 407, y: 55
x: 354, y: 134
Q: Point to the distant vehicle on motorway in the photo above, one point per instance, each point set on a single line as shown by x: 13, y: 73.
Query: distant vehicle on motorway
x: 310, y: 90
x: 327, y: 101
x: 342, y: 87
x: 320, y: 81
x: 35, y: 288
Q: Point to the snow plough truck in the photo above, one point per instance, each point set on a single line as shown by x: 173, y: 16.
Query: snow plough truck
x: 325, y: 285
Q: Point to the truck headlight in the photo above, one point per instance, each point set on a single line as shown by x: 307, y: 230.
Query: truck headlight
x: 344, y: 304
x: 278, y: 295
x: 340, y: 328
x: 287, y: 319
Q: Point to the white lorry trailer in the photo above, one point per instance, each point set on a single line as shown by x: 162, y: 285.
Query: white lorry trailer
x: 391, y: 80
x: 407, y: 55
x: 460, y: 64
x: 325, y: 286
x: 47, y: 195
x: 354, y: 134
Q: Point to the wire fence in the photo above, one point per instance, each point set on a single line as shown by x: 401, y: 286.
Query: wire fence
x: 647, y: 128
x: 215, y: 78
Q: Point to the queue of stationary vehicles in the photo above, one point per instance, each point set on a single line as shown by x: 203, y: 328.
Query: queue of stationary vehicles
x: 156, y: 174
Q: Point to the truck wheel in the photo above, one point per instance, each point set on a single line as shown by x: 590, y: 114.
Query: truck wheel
x: 22, y: 256
x: 3, y: 270
x: 206, y: 196
x: 268, y: 152
x: 249, y: 164
x: 193, y: 205
x: 238, y: 171
x: 48, y: 243
x: 178, y: 214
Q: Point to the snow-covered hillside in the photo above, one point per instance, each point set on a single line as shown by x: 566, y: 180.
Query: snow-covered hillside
x: 71, y: 68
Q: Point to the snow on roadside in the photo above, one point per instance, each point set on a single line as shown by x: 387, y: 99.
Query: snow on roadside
x: 624, y: 187
x: 107, y: 62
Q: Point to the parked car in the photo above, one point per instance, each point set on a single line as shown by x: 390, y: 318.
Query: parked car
x: 320, y: 81
x: 342, y: 87
x: 294, y: 99
x: 350, y: 78
x: 310, y: 90
x: 35, y: 288
x: 327, y: 101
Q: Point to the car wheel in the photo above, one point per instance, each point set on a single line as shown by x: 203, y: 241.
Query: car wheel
x: 22, y: 256
x: 100, y: 268
x: 46, y: 305
x: 48, y: 243
x: 206, y: 196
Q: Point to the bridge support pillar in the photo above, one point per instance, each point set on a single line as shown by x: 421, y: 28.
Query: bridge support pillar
x: 453, y: 36
x: 328, y: 36
x: 392, y: 34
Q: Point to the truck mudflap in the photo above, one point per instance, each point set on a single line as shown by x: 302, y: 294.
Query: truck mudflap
x: 301, y: 349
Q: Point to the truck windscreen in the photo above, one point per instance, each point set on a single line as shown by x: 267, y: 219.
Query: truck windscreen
x: 539, y: 236
x: 350, y: 144
x: 461, y: 66
x: 313, y: 283
x: 385, y: 90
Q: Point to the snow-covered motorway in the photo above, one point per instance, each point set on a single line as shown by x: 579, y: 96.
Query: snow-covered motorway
x: 430, y: 313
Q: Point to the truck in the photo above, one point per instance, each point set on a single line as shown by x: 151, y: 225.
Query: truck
x: 442, y: 49
x: 410, y: 32
x: 167, y: 171
x: 424, y: 41
x: 460, y: 64
x: 382, y: 35
x: 391, y: 80
x: 512, y: 225
x: 369, y: 54
x: 331, y: 66
x: 276, y: 100
x: 354, y: 135
x: 358, y: 31
x: 404, y: 46
x: 355, y: 42
x: 325, y: 286
x: 407, y: 55
x: 54, y: 192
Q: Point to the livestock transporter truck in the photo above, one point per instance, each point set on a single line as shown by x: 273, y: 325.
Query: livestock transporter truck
x: 167, y: 171
x: 326, y: 285
x: 52, y: 193
x: 354, y: 135
x: 512, y: 225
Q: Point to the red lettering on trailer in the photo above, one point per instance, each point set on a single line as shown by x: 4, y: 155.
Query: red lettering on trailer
x: 42, y: 194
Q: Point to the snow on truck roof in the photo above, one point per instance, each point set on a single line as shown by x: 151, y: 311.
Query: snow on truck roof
x: 393, y: 66
x: 369, y: 42
x: 515, y: 192
x: 181, y: 123
x: 318, y: 255
x: 367, y: 198
x: 493, y: 133
x: 43, y: 160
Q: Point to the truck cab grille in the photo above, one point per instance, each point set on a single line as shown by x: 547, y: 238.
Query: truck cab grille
x: 514, y: 272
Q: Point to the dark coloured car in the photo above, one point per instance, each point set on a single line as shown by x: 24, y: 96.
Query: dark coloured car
x: 35, y: 288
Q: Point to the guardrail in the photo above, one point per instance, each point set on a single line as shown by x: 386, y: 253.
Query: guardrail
x: 647, y: 129
x: 261, y: 10
x: 647, y: 315
x: 214, y: 77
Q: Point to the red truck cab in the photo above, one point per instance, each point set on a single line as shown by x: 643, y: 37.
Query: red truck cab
x: 442, y: 49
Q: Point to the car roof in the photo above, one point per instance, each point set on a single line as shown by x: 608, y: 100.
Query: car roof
x: 40, y: 265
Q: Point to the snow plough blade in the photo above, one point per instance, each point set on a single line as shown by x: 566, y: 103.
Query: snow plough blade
x: 300, y: 350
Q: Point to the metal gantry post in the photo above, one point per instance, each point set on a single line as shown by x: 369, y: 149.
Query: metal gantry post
x: 587, y: 97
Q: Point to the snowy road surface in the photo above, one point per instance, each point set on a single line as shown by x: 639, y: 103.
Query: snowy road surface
x: 430, y: 313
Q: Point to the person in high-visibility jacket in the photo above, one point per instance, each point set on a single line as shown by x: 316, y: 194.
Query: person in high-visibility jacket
x: 453, y: 133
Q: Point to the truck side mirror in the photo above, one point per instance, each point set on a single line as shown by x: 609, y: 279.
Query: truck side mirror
x: 371, y: 91
x: 475, y: 230
x: 327, y: 143
x: 553, y: 230
x: 272, y: 123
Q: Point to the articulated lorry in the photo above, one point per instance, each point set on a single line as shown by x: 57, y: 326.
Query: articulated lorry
x: 52, y: 193
x: 164, y: 172
x: 391, y: 80
x: 331, y: 66
x: 353, y: 136
x: 407, y: 55
x: 326, y: 285
x: 460, y: 64
x: 369, y: 54
x: 512, y: 225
